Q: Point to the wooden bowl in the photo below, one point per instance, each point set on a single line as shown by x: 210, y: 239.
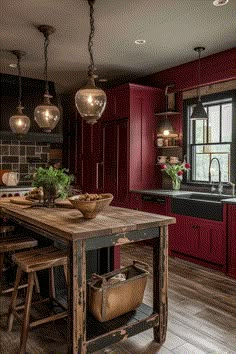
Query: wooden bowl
x: 90, y: 208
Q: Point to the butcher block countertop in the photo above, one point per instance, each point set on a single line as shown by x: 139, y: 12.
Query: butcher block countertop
x: 69, y: 224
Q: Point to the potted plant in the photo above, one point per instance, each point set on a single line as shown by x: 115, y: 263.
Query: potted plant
x: 55, y: 183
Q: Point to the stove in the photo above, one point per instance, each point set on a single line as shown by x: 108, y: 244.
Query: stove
x: 14, y: 191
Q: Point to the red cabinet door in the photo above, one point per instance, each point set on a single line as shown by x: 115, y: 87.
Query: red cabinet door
x: 117, y: 103
x: 90, y: 157
x: 210, y: 241
x: 180, y: 236
x: 115, y: 161
x: 231, y: 267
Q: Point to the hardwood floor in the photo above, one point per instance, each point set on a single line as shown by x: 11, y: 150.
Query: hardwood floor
x: 202, y: 315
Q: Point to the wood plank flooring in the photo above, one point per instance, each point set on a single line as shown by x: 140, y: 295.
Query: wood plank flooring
x: 202, y: 315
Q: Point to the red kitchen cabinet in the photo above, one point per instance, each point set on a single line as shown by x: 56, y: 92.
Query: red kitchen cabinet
x: 90, y: 157
x: 231, y: 267
x: 201, y: 240
x: 144, y: 101
x: 129, y: 152
x: 180, y: 241
x: 118, y: 103
x: 115, y: 160
x: 118, y: 153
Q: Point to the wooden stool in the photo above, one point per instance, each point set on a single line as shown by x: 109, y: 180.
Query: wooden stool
x: 12, y: 243
x: 30, y: 262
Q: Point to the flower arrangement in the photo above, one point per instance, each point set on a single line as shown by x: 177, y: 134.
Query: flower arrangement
x: 176, y: 171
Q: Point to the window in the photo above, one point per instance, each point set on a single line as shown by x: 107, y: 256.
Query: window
x: 210, y: 139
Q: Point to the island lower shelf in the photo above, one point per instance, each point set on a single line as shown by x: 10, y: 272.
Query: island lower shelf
x: 122, y: 327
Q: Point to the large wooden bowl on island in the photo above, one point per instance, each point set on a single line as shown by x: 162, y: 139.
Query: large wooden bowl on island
x: 91, y: 204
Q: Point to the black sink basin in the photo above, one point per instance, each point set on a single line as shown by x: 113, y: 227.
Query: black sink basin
x: 205, y: 196
x: 201, y: 205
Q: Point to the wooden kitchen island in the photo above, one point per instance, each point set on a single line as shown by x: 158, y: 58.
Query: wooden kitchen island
x: 114, y: 226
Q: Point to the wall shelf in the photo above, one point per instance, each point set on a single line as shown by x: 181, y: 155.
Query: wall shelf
x: 170, y: 147
x: 168, y: 113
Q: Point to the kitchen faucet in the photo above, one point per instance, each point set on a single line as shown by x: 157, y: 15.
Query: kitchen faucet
x: 220, y: 185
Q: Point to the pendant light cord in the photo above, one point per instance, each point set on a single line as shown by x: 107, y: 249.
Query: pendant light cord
x: 91, y: 35
x: 46, y: 43
x: 199, y: 78
x: 19, y: 80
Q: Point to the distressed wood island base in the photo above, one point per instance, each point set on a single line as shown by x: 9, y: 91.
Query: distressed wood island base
x: 115, y: 226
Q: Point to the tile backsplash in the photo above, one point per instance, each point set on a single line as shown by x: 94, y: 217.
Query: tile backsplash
x: 23, y: 157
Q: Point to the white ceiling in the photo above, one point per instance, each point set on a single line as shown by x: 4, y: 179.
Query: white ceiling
x: 171, y: 28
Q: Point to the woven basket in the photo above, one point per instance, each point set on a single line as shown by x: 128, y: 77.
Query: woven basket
x: 108, y: 301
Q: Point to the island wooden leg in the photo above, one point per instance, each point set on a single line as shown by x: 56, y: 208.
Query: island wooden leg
x: 160, y: 283
x: 77, y: 298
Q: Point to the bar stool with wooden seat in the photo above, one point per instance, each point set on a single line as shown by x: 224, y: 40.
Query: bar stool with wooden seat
x: 11, y: 242
x: 30, y: 262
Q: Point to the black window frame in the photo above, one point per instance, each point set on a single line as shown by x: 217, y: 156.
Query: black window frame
x: 230, y: 94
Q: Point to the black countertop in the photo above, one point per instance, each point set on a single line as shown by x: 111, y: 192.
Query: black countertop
x: 171, y: 193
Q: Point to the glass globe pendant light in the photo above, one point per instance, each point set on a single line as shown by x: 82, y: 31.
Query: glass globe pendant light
x: 199, y: 112
x: 19, y: 123
x: 46, y: 115
x: 90, y: 100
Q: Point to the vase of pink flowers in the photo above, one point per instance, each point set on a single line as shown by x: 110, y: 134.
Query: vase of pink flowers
x: 176, y: 171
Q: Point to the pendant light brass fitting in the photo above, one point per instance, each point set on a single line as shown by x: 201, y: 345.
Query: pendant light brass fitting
x: 46, y: 30
x: 18, y: 53
x: 199, y: 49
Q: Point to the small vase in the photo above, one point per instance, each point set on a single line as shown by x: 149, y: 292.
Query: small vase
x: 176, y: 184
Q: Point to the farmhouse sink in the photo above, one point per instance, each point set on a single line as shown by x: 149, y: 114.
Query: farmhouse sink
x: 201, y: 205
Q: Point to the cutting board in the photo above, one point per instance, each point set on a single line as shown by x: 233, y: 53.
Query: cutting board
x: 59, y: 202
x: 21, y: 200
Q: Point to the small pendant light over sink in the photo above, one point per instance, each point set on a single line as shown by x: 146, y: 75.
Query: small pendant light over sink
x: 46, y: 115
x: 199, y: 111
x: 90, y: 100
x: 19, y: 123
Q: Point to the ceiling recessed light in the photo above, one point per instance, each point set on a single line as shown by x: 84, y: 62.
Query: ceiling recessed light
x: 103, y: 80
x: 140, y: 41
x: 13, y: 65
x: 220, y: 2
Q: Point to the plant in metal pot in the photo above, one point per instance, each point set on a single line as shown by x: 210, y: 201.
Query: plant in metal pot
x: 55, y: 183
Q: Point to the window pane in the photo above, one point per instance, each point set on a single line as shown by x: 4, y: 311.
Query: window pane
x: 224, y: 166
x: 227, y: 122
x: 201, y: 161
x: 201, y: 168
x: 214, y: 124
x: 199, y: 131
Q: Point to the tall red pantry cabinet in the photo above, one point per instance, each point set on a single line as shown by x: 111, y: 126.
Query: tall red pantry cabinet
x: 118, y: 153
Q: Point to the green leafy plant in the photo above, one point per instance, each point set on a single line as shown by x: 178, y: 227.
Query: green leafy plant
x: 51, y: 179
